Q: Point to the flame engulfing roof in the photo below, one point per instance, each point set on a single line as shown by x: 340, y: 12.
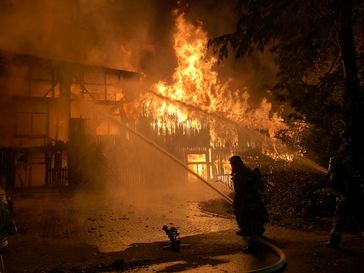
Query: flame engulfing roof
x: 197, y: 98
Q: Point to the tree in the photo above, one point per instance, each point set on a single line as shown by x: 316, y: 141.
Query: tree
x: 314, y: 47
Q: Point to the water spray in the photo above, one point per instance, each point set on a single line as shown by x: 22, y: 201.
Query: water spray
x: 308, y: 162
x: 282, y: 257
x: 166, y: 153
x: 175, y: 159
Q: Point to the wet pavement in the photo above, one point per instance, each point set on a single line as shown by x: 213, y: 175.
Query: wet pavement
x: 110, y: 225
x: 59, y: 230
x: 63, y: 232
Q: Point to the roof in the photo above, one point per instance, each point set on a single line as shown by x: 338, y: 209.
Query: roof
x: 37, y: 60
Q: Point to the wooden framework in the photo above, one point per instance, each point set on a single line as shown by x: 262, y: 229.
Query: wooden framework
x: 48, y: 124
x: 41, y: 92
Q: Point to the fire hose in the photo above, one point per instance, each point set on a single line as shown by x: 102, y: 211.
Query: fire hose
x: 282, y: 257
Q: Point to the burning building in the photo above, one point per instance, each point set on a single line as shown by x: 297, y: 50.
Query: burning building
x: 40, y: 121
x: 62, y: 119
x: 50, y: 131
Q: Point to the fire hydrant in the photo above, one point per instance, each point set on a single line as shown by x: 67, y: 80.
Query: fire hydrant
x: 173, y: 236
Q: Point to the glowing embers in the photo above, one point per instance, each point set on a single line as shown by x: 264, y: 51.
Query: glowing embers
x: 280, y: 156
x: 170, y: 125
x: 226, y: 166
x: 198, y: 163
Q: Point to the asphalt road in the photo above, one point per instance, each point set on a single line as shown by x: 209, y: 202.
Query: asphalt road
x: 86, y: 233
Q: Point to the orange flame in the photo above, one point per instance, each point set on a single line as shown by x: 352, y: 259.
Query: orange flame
x: 196, y: 83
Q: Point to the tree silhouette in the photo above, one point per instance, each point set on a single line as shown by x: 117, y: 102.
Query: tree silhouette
x: 318, y: 48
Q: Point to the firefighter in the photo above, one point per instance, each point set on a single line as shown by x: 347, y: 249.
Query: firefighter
x: 345, y: 182
x: 249, y: 209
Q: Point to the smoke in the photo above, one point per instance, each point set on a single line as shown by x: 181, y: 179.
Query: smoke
x: 128, y: 35
x: 132, y: 169
x: 256, y: 72
x: 119, y: 34
x: 131, y: 35
x: 124, y: 34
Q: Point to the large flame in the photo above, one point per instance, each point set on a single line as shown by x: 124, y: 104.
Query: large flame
x: 196, y: 88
